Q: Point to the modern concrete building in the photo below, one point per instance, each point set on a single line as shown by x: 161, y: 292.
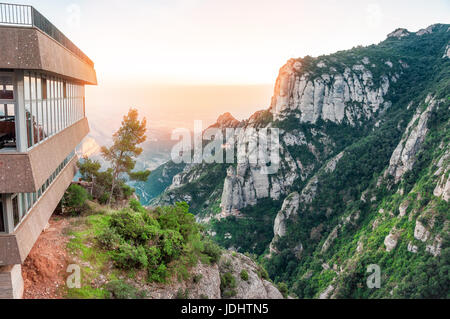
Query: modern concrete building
x: 42, y: 120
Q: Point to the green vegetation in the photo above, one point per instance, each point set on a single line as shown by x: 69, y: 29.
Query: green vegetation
x: 244, y: 275
x: 157, y: 243
x: 160, y: 241
x: 228, y: 285
x: 74, y: 200
x: 110, y: 185
x: 250, y: 234
x: 121, y: 290
x: 125, y: 149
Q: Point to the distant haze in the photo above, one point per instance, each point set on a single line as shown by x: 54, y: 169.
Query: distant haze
x: 168, y: 107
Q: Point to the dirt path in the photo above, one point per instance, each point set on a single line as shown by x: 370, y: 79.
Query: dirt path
x: 44, y: 270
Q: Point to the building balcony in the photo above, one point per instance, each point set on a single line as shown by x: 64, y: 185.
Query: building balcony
x: 24, y: 172
x: 30, y: 42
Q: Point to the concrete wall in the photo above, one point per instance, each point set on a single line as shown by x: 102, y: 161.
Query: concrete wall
x: 11, y: 282
x: 15, y: 247
x: 31, y: 49
x: 26, y: 172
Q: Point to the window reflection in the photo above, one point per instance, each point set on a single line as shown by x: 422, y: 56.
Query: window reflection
x: 51, y: 105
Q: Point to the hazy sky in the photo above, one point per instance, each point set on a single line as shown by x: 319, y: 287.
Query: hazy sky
x: 225, y: 42
x: 180, y: 60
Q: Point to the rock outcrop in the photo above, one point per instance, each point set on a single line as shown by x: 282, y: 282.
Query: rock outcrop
x: 421, y: 232
x: 232, y: 196
x: 331, y: 96
x: 405, y: 154
x: 205, y: 281
x: 254, y: 287
x: 289, y: 211
x: 399, y: 33
x: 390, y: 241
x: 447, y: 52
x: 442, y: 188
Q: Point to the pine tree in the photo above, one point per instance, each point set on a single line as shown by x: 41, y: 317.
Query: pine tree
x: 125, y: 149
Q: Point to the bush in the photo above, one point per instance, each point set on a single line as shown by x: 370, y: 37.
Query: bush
x: 182, y: 294
x: 212, y: 250
x: 103, y: 199
x: 75, y: 199
x: 228, y: 285
x: 136, y: 205
x: 283, y: 288
x: 108, y: 239
x: 262, y: 273
x: 122, y: 290
x: 197, y: 277
x: 130, y: 257
x: 244, y: 275
x: 133, y: 226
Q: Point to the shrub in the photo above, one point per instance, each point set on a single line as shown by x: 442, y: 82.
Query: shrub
x: 182, y: 294
x: 283, y: 288
x: 197, y: 277
x: 136, y: 205
x: 122, y: 290
x: 103, y: 199
x: 228, y: 285
x: 133, y: 226
x: 129, y: 257
x: 262, y: 273
x: 158, y: 274
x: 108, y: 239
x: 75, y: 199
x: 244, y: 275
x: 212, y: 250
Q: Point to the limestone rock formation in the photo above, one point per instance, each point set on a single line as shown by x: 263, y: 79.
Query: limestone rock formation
x: 390, y: 241
x: 254, y: 287
x: 330, y: 96
x: 442, y: 188
x: 421, y: 232
x: 289, y: 210
x: 447, y: 52
x: 399, y: 33
x: 404, y: 155
x: 232, y: 197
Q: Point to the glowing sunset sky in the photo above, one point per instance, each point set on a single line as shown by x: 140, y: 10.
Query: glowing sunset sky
x: 140, y: 44
x: 224, y: 42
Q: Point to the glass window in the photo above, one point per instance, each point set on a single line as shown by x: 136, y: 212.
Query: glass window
x: 44, y: 89
x: 7, y: 92
x: 2, y: 218
x: 15, y: 206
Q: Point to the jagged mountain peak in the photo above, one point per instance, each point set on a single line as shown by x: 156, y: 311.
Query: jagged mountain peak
x: 402, y: 32
x: 399, y: 33
x: 226, y: 120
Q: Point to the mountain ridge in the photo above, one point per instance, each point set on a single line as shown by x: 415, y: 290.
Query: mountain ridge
x: 361, y: 134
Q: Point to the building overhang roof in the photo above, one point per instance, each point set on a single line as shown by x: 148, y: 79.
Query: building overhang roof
x: 28, y: 48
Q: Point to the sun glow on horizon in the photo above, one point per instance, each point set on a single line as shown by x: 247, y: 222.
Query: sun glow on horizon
x: 199, y: 42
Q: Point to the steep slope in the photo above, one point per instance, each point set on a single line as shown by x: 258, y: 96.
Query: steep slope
x: 363, y: 172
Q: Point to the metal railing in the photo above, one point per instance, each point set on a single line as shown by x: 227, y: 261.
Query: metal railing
x: 24, y: 15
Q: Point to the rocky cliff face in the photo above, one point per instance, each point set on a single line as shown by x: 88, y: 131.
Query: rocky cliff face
x: 405, y: 154
x: 206, y: 282
x: 351, y: 96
